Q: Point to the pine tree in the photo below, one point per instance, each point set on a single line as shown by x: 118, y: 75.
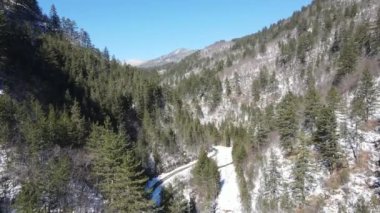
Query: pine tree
x: 273, y: 176
x: 262, y: 130
x: 228, y: 87
x: 365, y: 97
x: 376, y: 48
x: 312, y: 105
x: 77, y: 129
x: 287, y: 121
x: 3, y: 36
x: 333, y: 98
x: 325, y: 137
x: 347, y: 60
x: 28, y: 200
x: 118, y: 173
x: 271, y: 180
x: 361, y: 206
x: 255, y: 89
x: 7, y: 119
x: 300, y: 172
x: 237, y: 84
x: 173, y: 200
x: 55, y: 21
x: 206, y: 179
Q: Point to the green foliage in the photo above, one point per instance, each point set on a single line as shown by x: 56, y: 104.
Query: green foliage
x: 256, y: 90
x: 325, y: 137
x: 3, y: 35
x: 333, y: 98
x: 262, y: 130
x: 361, y: 206
x: 301, y: 171
x: 288, y: 50
x: 206, y: 177
x: 364, y: 101
x: 46, y: 186
x: 312, y: 104
x: 55, y: 21
x: 270, y: 198
x: 239, y: 155
x: 228, y: 87
x: 362, y: 38
x: 347, y: 60
x: 351, y: 11
x: 7, y: 119
x: 119, y: 175
x: 376, y: 40
x: 237, y: 84
x: 173, y: 200
x: 264, y: 83
x: 28, y: 199
x: 287, y: 121
x: 305, y: 43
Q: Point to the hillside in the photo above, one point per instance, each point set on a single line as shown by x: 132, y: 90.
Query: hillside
x: 170, y: 58
x: 315, y: 58
x: 283, y: 120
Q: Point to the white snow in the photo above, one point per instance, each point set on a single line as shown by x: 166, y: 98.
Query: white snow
x: 229, y: 196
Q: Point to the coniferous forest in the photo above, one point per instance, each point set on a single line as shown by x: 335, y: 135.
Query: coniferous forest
x: 82, y: 131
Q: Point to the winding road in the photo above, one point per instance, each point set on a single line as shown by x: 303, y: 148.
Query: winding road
x: 165, y: 177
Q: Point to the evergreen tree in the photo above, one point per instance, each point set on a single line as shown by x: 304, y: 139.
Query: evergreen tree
x: 365, y: 97
x: 118, y: 173
x: 333, y: 98
x: 77, y: 129
x: 271, y: 179
x: 347, y: 60
x: 173, y: 200
x: 206, y: 179
x: 55, y: 21
x: 312, y: 105
x: 287, y: 121
x: 256, y: 90
x: 376, y: 41
x: 3, y: 36
x: 325, y: 137
x: 262, y: 130
x: 237, y: 84
x: 228, y: 87
x: 361, y: 206
x: 7, y: 119
x: 301, y: 171
x: 28, y: 200
x: 273, y: 176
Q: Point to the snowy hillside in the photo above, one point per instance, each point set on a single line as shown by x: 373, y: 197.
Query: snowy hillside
x: 172, y: 57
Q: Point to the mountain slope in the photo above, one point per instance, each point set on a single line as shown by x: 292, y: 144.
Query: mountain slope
x: 323, y: 50
x: 172, y: 57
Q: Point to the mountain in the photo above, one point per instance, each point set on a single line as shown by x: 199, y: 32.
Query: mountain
x: 316, y: 59
x: 172, y: 57
x: 282, y: 120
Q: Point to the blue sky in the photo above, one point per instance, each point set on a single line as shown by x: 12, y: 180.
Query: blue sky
x: 145, y: 29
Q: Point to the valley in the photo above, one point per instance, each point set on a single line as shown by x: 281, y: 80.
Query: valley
x: 286, y: 119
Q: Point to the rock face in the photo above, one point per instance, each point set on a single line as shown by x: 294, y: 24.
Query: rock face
x: 173, y: 57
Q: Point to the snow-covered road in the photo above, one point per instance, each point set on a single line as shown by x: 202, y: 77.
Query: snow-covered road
x: 229, y: 197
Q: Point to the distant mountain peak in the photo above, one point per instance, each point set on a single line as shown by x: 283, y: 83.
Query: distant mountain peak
x: 172, y: 57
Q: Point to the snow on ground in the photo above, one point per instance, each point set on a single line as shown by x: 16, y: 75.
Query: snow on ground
x: 181, y: 173
x: 229, y: 196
